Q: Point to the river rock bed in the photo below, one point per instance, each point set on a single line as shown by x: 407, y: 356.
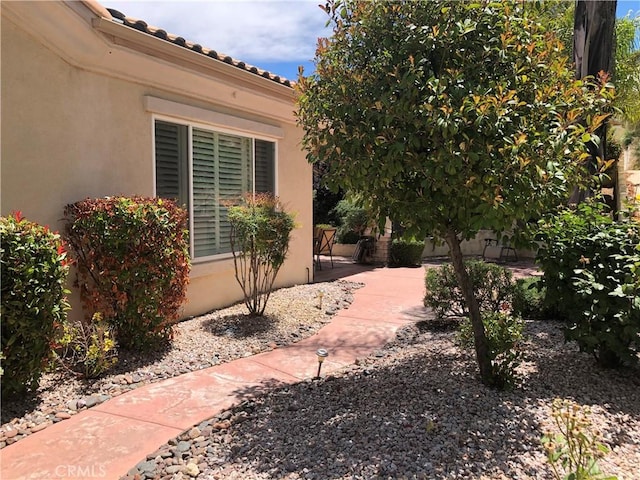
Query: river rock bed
x: 412, y: 410
x: 221, y: 336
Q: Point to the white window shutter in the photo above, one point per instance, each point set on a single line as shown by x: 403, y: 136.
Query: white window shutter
x: 222, y: 168
x: 234, y: 160
x: 171, y: 162
x: 205, y: 199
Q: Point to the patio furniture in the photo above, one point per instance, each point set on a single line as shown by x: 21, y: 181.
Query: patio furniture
x: 364, y: 249
x: 323, y: 240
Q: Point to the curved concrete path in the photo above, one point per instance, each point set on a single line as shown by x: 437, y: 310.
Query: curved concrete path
x: 106, y: 441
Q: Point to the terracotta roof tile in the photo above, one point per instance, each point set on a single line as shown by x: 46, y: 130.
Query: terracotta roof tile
x: 142, y: 26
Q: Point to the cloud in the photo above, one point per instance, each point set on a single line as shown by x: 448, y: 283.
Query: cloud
x: 249, y: 30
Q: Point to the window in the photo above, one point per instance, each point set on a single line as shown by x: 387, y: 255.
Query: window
x: 204, y: 169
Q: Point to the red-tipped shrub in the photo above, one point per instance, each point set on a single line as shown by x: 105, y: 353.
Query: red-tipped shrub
x: 133, y: 264
x: 34, y: 272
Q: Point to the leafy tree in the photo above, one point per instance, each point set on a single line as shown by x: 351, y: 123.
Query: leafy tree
x: 627, y: 70
x: 260, y: 232
x: 560, y: 16
x: 353, y: 219
x: 450, y: 117
x: 627, y: 78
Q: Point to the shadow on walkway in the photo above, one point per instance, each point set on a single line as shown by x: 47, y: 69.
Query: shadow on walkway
x: 342, y: 267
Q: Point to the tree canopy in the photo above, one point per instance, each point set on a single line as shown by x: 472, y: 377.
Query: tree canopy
x: 627, y: 69
x: 449, y: 117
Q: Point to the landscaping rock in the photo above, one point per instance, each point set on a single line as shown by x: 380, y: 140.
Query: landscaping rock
x: 40, y: 426
x: 192, y: 470
x: 183, y: 446
x: 197, y: 344
x: 416, y: 410
x: 148, y: 466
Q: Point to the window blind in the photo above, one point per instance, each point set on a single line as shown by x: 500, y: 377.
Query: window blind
x: 265, y: 168
x: 234, y: 160
x: 205, y: 201
x: 171, y: 162
x: 223, y: 168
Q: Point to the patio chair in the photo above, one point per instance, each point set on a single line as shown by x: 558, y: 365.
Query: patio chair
x: 364, y: 248
x: 323, y: 241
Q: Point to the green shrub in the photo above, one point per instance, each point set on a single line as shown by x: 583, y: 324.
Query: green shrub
x: 324, y: 226
x: 565, y: 237
x: 406, y: 253
x: 87, y: 348
x: 260, y: 232
x: 348, y: 238
x: 504, y: 337
x: 529, y: 299
x: 592, y: 264
x: 574, y: 449
x: 34, y: 271
x: 324, y: 200
x: 609, y: 285
x: 353, y: 221
x: 133, y: 264
x: 492, y: 284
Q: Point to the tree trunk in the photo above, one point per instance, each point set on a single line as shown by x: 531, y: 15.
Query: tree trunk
x: 483, y: 355
x: 593, y: 52
x: 593, y: 29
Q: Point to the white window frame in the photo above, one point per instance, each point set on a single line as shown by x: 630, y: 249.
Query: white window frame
x: 209, y: 121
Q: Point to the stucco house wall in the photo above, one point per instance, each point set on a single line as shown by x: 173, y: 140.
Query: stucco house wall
x: 80, y: 93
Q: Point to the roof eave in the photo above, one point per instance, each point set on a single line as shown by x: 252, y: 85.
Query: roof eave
x: 146, y: 43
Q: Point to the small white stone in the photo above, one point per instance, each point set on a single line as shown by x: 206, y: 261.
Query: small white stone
x: 192, y: 470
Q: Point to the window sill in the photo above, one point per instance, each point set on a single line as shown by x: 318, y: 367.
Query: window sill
x: 212, y: 265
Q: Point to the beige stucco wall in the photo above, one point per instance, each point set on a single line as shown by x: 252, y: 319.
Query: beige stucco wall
x: 69, y: 133
x: 472, y: 248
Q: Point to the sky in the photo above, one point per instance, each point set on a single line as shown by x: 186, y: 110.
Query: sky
x: 275, y: 35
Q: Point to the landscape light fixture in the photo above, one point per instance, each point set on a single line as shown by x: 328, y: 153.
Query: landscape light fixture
x: 321, y: 354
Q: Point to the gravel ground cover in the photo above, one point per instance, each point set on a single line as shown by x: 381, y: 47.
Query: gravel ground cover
x: 218, y: 337
x: 412, y: 410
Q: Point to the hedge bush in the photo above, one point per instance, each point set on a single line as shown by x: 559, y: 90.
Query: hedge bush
x: 493, y: 286
x: 406, y: 253
x: 592, y: 265
x: 504, y: 337
x: 133, y: 264
x: 529, y: 299
x: 348, y: 238
x: 34, y: 269
x: 353, y: 221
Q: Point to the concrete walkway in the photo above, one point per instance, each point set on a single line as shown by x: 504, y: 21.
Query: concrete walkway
x: 106, y: 441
